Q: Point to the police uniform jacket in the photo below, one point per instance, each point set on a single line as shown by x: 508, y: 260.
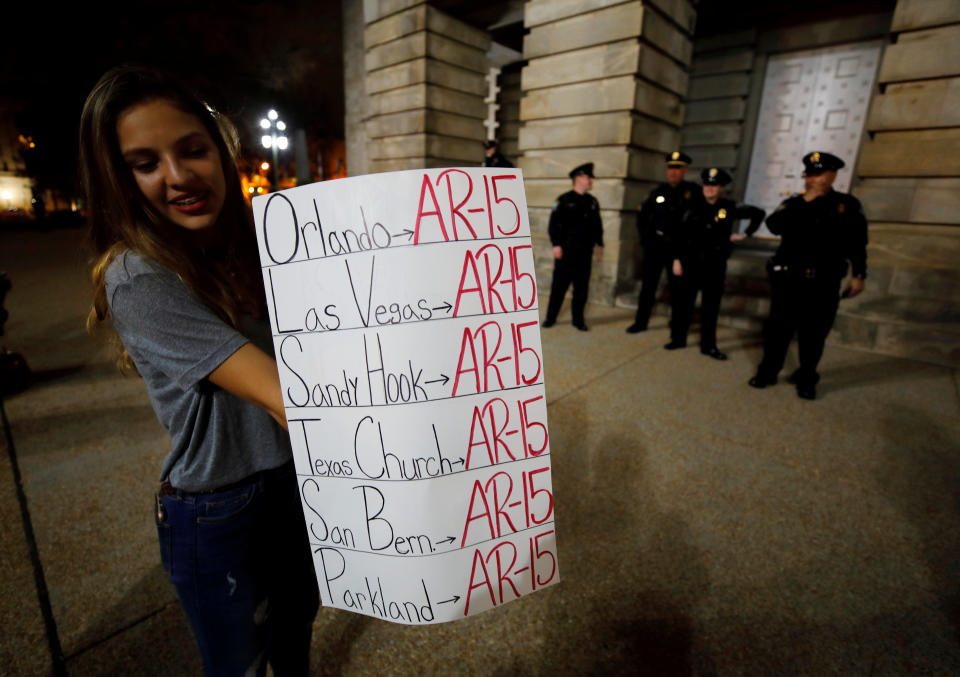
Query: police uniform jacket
x: 820, y: 236
x: 664, y: 211
x: 705, y: 231
x: 498, y: 159
x: 575, y: 223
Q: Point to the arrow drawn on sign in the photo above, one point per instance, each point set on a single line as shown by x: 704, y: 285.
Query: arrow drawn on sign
x: 446, y: 307
x: 455, y: 598
x: 440, y: 380
x: 448, y: 539
x: 406, y: 232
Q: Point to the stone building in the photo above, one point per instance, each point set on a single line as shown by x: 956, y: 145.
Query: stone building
x: 15, y: 188
x: 742, y: 85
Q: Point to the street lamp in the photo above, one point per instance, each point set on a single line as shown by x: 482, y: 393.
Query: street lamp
x: 273, y: 124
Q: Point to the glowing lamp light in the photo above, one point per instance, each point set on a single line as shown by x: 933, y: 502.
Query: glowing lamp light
x: 6, y: 195
x: 274, y: 142
x: 250, y: 190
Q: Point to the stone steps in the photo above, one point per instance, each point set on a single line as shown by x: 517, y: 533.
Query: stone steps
x: 746, y: 297
x: 879, y: 321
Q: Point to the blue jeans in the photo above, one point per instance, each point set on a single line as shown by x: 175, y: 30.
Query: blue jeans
x: 241, y: 563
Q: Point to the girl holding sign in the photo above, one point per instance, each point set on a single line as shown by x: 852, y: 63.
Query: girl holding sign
x: 177, y: 272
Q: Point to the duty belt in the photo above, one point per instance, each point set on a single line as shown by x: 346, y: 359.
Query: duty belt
x: 801, y: 271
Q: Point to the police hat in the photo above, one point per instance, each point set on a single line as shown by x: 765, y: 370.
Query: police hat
x: 582, y: 169
x: 678, y: 159
x: 817, y: 163
x: 715, y: 177
x: 490, y: 144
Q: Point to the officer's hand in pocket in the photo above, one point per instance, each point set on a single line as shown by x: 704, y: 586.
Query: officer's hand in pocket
x: 558, y: 252
x: 677, y: 268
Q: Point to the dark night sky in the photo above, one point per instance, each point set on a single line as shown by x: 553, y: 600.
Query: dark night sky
x: 245, y: 56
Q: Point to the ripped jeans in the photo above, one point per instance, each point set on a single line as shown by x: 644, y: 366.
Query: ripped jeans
x: 241, y: 564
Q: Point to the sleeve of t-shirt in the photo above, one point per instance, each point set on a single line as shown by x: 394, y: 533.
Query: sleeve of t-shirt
x: 161, y: 321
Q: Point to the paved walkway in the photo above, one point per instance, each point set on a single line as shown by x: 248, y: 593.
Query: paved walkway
x: 704, y: 527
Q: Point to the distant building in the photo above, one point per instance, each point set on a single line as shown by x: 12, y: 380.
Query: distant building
x: 15, y: 187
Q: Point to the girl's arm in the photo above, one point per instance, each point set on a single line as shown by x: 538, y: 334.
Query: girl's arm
x: 251, y: 375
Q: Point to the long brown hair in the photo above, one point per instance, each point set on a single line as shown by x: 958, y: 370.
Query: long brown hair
x: 119, y: 217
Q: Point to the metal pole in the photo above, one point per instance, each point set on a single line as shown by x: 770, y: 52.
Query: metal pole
x: 275, y: 184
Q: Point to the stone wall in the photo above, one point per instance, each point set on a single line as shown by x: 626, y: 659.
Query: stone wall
x: 603, y: 84
x: 425, y: 87
x: 720, y: 84
x: 907, y: 174
x: 910, y: 186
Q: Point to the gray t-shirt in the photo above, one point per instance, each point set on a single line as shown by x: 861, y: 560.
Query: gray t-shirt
x: 176, y: 341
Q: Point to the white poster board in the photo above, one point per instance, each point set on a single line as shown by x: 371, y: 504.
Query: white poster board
x: 404, y: 313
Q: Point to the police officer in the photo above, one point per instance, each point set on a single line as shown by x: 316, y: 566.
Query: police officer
x: 704, y: 245
x: 492, y: 157
x: 659, y: 218
x: 820, y: 231
x: 575, y: 228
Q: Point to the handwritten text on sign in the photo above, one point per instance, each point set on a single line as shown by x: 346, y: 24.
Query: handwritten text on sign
x: 404, y: 315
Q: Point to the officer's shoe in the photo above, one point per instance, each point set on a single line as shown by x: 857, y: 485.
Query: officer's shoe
x: 636, y: 328
x: 762, y: 381
x: 582, y: 327
x: 674, y: 345
x: 806, y: 389
x: 713, y: 352
x: 548, y: 323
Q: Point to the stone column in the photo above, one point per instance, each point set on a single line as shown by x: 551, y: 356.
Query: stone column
x: 354, y: 91
x: 910, y: 189
x: 604, y: 84
x: 425, y: 87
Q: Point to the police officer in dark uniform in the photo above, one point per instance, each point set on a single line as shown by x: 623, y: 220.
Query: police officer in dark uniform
x: 660, y: 216
x: 820, y: 231
x: 704, y: 245
x: 575, y: 228
x: 492, y: 157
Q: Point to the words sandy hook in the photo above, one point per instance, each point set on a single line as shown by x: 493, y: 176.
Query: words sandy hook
x: 404, y: 313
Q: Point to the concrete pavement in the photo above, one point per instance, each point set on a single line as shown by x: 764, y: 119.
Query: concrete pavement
x: 703, y: 527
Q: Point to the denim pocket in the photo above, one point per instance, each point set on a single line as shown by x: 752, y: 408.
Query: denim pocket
x: 227, y: 505
x: 164, y: 536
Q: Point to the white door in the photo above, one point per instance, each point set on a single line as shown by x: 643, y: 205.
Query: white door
x: 814, y: 100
